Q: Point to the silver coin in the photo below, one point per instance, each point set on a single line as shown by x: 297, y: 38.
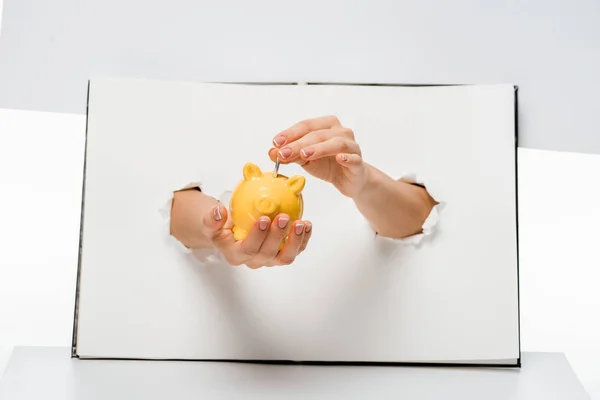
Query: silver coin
x: 276, y: 170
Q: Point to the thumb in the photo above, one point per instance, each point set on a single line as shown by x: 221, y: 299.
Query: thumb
x: 353, y: 163
x: 214, y: 221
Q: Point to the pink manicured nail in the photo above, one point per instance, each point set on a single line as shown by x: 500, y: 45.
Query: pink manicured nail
x: 299, y: 229
x: 285, y: 153
x: 217, y: 213
x: 344, y: 157
x: 283, y: 221
x: 307, y: 152
x: 279, y: 141
x: 308, y: 227
x: 263, y: 224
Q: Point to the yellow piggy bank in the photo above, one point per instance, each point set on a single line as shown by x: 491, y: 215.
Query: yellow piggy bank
x: 263, y: 194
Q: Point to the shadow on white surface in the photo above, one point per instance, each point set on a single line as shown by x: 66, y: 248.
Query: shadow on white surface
x: 5, y: 352
x: 548, y: 376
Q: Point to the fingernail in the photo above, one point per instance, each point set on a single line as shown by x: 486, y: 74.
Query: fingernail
x: 299, y: 229
x: 217, y: 213
x: 308, y: 227
x: 285, y: 153
x: 263, y: 224
x: 279, y: 140
x: 344, y: 157
x: 307, y: 152
x: 283, y: 221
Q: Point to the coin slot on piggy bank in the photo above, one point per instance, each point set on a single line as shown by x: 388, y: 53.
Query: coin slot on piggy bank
x: 262, y: 193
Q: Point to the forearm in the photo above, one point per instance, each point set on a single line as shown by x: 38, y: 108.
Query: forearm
x: 188, y: 209
x: 394, y: 208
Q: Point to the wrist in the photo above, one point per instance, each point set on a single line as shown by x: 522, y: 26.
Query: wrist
x: 371, y: 183
x: 187, y: 212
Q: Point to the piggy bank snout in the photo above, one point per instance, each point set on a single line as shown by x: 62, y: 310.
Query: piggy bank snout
x: 266, y: 206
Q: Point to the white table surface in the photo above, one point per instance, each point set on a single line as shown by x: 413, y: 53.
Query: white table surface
x: 50, y: 373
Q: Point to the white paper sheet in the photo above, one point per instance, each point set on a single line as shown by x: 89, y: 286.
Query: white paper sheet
x: 349, y: 297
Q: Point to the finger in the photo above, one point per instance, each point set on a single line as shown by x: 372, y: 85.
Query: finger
x: 277, y: 233
x: 253, y: 265
x: 307, y: 234
x: 214, y: 220
x: 229, y: 223
x: 350, y: 162
x: 273, y: 154
x: 300, y: 129
x: 330, y: 147
x: 256, y: 236
x: 212, y: 226
x: 290, y: 250
x: 303, y: 147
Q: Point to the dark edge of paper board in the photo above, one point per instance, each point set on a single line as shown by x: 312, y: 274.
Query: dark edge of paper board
x: 78, y: 280
x: 516, y: 89
x: 343, y: 84
x: 311, y: 363
x: 290, y: 362
x: 390, y: 84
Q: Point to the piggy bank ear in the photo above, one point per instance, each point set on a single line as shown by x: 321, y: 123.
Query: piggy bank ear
x: 251, y: 171
x: 296, y: 183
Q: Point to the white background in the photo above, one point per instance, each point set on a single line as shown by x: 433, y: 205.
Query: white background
x: 41, y: 170
x: 555, y: 63
x: 550, y: 48
x: 1, y: 4
x: 41, y: 158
